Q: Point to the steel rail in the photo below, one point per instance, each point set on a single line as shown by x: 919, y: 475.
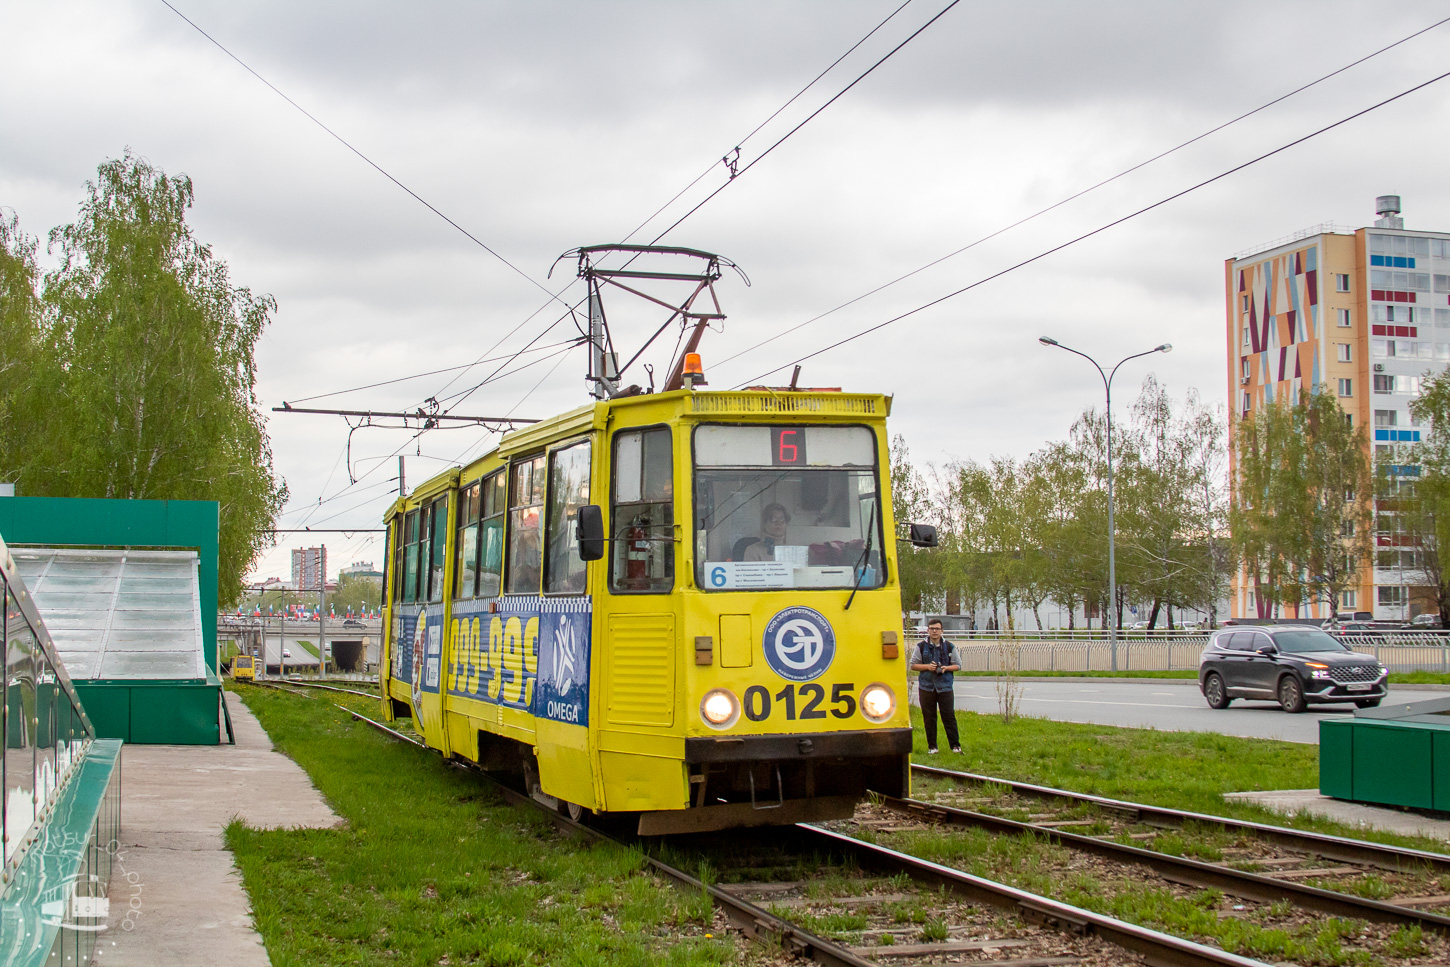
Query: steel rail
x: 1159, y: 949
x: 1382, y: 856
x: 1178, y: 869
x: 330, y: 688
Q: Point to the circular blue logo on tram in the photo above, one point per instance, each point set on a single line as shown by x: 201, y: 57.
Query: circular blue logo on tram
x: 799, y: 644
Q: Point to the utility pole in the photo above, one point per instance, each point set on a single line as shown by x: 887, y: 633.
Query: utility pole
x: 402, y: 482
x: 322, y: 624
x: 603, y: 364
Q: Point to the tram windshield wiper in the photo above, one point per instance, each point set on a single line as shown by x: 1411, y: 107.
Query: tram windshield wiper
x: 865, y: 553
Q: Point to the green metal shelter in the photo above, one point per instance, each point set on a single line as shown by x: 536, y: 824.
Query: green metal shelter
x: 128, y: 589
x: 1394, y: 755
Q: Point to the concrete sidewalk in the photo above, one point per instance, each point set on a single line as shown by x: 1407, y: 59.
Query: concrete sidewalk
x: 176, y: 898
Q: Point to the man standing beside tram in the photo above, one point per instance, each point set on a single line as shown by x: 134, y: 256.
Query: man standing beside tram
x: 936, y: 658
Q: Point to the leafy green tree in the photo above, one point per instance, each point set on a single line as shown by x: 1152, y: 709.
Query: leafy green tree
x: 19, y: 335
x: 1301, y: 514
x: 355, y: 593
x: 911, y: 502
x: 143, y: 382
x: 1415, y: 492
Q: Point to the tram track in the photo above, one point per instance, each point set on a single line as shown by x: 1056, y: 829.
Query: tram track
x: 1047, y: 932
x: 1379, y: 856
x: 297, y: 683
x: 888, y: 881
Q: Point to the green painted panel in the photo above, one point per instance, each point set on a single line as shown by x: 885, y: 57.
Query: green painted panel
x: 125, y: 523
x: 175, y: 714
x: 1392, y: 764
x: 1336, y: 758
x: 108, y: 707
x: 1440, y: 770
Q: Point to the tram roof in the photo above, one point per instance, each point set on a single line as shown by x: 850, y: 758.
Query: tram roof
x: 768, y: 404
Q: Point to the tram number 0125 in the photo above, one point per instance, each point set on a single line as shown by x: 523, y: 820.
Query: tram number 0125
x: 800, y: 702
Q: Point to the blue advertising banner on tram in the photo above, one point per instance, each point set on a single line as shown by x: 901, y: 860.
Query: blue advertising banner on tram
x: 532, y: 654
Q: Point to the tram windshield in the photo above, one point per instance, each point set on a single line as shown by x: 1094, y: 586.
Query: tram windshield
x: 786, y: 507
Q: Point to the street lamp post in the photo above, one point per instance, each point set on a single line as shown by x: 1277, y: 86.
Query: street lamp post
x: 1112, y: 565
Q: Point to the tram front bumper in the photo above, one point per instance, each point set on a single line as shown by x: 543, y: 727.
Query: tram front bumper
x: 854, y: 744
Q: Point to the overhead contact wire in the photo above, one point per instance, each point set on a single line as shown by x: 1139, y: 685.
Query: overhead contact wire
x: 369, y: 161
x: 1103, y: 228
x: 1091, y: 188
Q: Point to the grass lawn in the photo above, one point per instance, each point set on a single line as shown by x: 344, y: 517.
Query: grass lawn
x: 430, y: 867
x: 1180, y: 770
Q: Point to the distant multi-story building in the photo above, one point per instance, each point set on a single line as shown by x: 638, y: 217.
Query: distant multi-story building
x: 362, y: 569
x: 309, y: 567
x: 1364, y: 312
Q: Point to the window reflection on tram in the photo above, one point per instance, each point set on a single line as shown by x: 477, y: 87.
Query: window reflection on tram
x: 786, y: 507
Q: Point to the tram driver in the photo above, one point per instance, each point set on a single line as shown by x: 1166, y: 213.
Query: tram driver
x: 774, y: 520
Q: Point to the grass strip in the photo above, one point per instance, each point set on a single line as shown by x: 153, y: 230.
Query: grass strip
x: 1179, y: 770
x: 431, y: 867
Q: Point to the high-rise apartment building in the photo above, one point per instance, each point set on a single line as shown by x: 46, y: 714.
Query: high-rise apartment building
x: 1364, y: 314
x: 309, y: 567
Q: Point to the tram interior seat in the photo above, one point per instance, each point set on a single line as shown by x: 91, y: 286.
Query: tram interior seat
x: 737, y: 553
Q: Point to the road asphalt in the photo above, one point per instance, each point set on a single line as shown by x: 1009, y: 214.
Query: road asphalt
x: 1167, y: 704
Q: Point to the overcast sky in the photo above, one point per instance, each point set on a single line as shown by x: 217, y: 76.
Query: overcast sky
x: 539, y: 127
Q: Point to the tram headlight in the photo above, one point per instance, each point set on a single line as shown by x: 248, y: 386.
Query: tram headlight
x: 720, y: 708
x: 878, y: 702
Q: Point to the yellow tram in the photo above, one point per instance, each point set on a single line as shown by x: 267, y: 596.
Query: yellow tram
x: 680, y: 605
x: 243, y: 667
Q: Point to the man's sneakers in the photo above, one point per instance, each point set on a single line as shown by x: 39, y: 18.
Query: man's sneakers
x: 957, y: 749
x: 931, y: 751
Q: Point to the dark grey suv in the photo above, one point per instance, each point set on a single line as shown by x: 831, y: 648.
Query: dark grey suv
x: 1293, y: 664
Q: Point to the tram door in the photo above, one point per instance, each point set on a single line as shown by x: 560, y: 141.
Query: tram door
x: 424, y: 634
x: 639, y: 630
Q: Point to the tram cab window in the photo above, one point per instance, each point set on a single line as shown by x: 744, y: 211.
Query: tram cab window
x: 568, y: 491
x: 438, y: 547
x: 786, y: 507
x: 465, y: 568
x: 643, y: 512
x: 525, y: 537
x: 410, y: 556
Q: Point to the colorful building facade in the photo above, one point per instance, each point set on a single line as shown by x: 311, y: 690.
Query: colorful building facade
x: 1362, y: 314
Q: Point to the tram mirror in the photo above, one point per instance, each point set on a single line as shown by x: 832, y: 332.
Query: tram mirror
x: 923, y: 535
x: 590, y: 532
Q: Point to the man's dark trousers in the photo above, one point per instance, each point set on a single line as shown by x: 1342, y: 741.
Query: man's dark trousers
x: 931, y: 702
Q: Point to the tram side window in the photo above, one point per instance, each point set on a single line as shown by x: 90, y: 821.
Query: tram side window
x: 465, y: 568
x: 643, y: 512
x: 424, y: 553
x: 525, y: 537
x: 490, y: 551
x: 395, y: 532
x: 438, y: 517
x: 410, y: 556
x: 568, y: 491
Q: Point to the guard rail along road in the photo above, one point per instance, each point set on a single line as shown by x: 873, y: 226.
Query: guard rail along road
x: 1063, y: 651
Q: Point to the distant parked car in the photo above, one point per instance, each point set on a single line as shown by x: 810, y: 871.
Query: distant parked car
x: 1297, y: 665
x: 1426, y: 621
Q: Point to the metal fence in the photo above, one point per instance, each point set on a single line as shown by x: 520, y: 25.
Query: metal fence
x: 1400, y: 653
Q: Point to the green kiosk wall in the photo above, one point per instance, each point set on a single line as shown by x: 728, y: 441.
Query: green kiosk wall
x: 170, y: 711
